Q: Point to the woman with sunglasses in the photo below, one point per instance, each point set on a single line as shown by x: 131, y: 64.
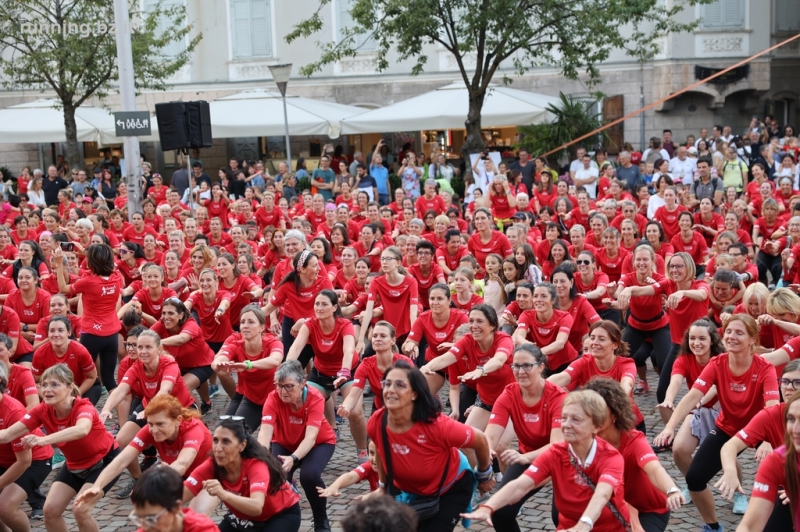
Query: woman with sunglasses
x: 73, y: 424
x: 130, y: 262
x: 253, y: 354
x: 307, y: 445
x: 178, y: 434
x: 182, y: 338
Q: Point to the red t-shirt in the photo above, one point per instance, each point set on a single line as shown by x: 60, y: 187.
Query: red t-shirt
x: 646, y: 312
x: 329, y: 348
x: 368, y: 372
x: 451, y: 262
x: 489, y: 386
x: 611, y: 267
x: 544, y: 334
x: 10, y: 326
x: 572, y: 494
x: 696, y: 247
x: 687, y: 366
x: 266, y: 218
x: 77, y: 358
x: 130, y: 234
x: 123, y: 367
x: 374, y: 260
x: 192, y: 434
x: 365, y: 472
x: 21, y: 384
x: 771, y: 476
x: 290, y: 427
x: 766, y: 229
x: 420, y: 454
x: 255, y: 384
x: 742, y: 397
x: 33, y: 313
x: 100, y: 296
x: 585, y: 368
x: 688, y: 310
x: 424, y: 204
x: 82, y: 453
x: 146, y: 388
x: 498, y: 244
x: 242, y: 285
x: 193, y: 522
x: 424, y: 283
x: 639, y: 491
x: 212, y: 331
x: 217, y: 209
x: 716, y: 222
x: 424, y: 326
x: 299, y: 303
x: 12, y: 411
x: 152, y: 306
x: 42, y: 331
x: 501, y: 209
x: 532, y: 424
x: 583, y: 316
x: 768, y: 425
x: 669, y: 219
x: 474, y: 299
x: 254, y: 479
x: 395, y: 300
x: 194, y: 353
x: 600, y: 279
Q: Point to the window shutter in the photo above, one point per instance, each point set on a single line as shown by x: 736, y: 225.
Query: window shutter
x: 362, y: 42
x: 712, y: 14
x: 787, y: 15
x: 260, y: 28
x: 240, y: 26
x: 164, y: 25
x: 733, y: 13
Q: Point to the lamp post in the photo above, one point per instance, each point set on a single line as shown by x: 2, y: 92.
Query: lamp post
x: 281, y: 73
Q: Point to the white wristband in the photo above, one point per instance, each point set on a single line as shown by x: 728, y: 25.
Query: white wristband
x: 588, y: 521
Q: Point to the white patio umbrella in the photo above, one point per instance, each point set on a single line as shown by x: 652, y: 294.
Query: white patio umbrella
x: 41, y: 121
x: 259, y: 113
x: 447, y: 107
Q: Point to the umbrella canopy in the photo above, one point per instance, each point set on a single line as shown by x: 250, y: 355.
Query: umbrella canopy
x: 447, y: 107
x: 41, y: 121
x: 259, y: 113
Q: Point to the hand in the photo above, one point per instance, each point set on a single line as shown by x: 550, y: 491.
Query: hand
x: 328, y: 492
x: 140, y: 415
x: 105, y: 416
x: 233, y: 367
x: 487, y: 486
x: 675, y: 500
x: 511, y: 457
x: 33, y: 441
x: 674, y: 299
x: 668, y: 405
x: 729, y: 484
x: 664, y: 438
x: 426, y: 370
x: 783, y: 497
x: 288, y: 463
x: 275, y: 328
x: 472, y: 375
x: 215, y: 489
x: 480, y: 514
x: 339, y: 381
x: 360, y: 347
x: 296, y: 327
x: 765, y: 319
x: 411, y: 350
x: 218, y: 314
x: 623, y: 299
x: 453, y: 414
x: 343, y: 412
x: 763, y: 450
x: 88, y: 497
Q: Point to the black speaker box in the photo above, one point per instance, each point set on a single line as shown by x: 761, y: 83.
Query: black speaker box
x: 199, y: 122
x: 184, y: 125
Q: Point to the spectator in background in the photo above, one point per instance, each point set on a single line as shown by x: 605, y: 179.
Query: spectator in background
x: 358, y: 158
x: 52, y: 185
x: 587, y: 176
x: 283, y: 171
x: 525, y: 167
x: 380, y: 173
x: 627, y: 172
x: 682, y: 168
x: 655, y: 151
x: 667, y: 143
x: 577, y: 164
x: 324, y: 178
x: 181, y: 175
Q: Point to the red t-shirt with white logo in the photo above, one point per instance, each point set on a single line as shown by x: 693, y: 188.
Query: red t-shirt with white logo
x: 688, y: 310
x: 688, y: 367
x: 150, y: 306
x: 424, y: 326
x: 572, y: 494
x: 669, y: 220
x: 207, y: 312
x: 20, y: 383
x: 146, y: 387
x: 766, y: 426
x: 193, y: 522
x: 582, y: 370
x: 77, y: 359
x: 194, y: 353
x: 451, y: 262
x: 611, y: 267
x: 498, y: 244
x: 491, y: 385
x: 29, y: 314
x: 742, y: 397
x: 299, y: 302
x: 290, y: 427
x: 419, y: 455
x: 12, y: 411
x: 329, y: 347
x: 82, y: 453
x: 254, y: 479
x: 424, y: 204
x: 368, y: 372
x: 366, y: 472
x: 10, y: 326
x: 544, y: 334
x: 771, y: 476
x: 100, y: 298
x: 696, y: 247
x: 255, y: 384
x: 599, y: 279
x: 639, y: 491
x: 396, y: 301
x: 424, y: 284
x: 532, y: 424
x: 192, y: 434
x: 646, y: 312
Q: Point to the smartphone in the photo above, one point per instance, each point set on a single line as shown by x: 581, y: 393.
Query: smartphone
x: 67, y: 246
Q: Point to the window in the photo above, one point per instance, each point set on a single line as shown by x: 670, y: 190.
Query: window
x: 164, y: 24
x: 251, y: 30
x: 345, y: 21
x: 787, y: 16
x: 723, y: 14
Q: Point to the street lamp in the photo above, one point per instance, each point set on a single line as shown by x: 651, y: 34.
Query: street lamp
x: 281, y: 74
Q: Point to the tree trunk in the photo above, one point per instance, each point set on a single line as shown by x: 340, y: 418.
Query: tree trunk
x: 73, y: 155
x: 474, y: 141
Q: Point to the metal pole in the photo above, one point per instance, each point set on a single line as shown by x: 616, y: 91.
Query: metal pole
x: 641, y: 104
x: 286, y: 125
x: 127, y: 94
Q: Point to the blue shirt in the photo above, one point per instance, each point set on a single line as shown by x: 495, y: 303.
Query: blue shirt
x: 381, y: 176
x: 325, y: 176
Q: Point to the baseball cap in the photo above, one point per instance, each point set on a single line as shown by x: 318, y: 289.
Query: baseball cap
x: 692, y: 150
x: 520, y: 216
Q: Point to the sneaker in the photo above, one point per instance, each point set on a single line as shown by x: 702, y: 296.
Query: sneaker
x: 739, y: 503
x: 124, y: 492
x: 205, y: 408
x: 707, y: 528
x: 687, y: 496
x: 58, y: 459
x: 498, y: 477
x: 115, y: 429
x: 641, y: 388
x: 336, y: 432
x: 322, y: 526
x: 339, y: 419
x: 363, y: 456
x: 37, y: 513
x: 213, y: 390
x: 147, y: 463
x: 368, y: 392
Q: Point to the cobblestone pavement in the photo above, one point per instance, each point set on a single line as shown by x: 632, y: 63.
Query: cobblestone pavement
x: 112, y: 514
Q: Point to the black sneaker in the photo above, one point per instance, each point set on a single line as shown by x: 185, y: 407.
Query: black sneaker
x: 147, y: 463
x: 37, y: 513
x: 125, y: 491
x: 322, y: 526
x: 205, y: 408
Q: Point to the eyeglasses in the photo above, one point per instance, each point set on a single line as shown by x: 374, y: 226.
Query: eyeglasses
x: 526, y: 367
x: 388, y: 259
x: 584, y: 262
x: 676, y: 266
x: 148, y: 521
x: 130, y: 346
x: 398, y: 385
x: 424, y: 253
x: 786, y: 382
x: 284, y: 388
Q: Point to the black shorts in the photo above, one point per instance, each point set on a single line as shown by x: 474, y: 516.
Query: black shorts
x: 76, y: 481
x: 27, y: 357
x: 326, y: 383
x: 214, y: 346
x: 134, y: 412
x: 203, y: 373
x: 33, y: 477
x: 481, y: 404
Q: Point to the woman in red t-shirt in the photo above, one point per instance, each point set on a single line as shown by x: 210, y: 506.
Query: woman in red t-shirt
x: 690, y: 241
x: 503, y: 201
x: 707, y: 222
x: 655, y: 235
x: 74, y: 424
x: 582, y: 493
x: 667, y: 215
x: 465, y: 298
x: 767, y: 232
x: 592, y: 284
x: 486, y: 240
x: 293, y: 423
x: 211, y: 305
x: 569, y: 300
x: 533, y: 406
x: 249, y: 481
x: 548, y: 328
x: 418, y: 448
x: 745, y: 383
x: 610, y: 256
x: 253, y: 354
x: 648, y: 487
x: 218, y: 205
x: 149, y: 301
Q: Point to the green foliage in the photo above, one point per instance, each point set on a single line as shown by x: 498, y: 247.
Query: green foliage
x: 575, y: 117
x: 457, y: 182
x: 304, y: 183
x: 394, y: 183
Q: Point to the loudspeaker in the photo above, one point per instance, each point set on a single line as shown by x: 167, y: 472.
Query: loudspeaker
x: 184, y: 125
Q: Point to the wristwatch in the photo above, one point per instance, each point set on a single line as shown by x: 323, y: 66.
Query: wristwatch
x: 587, y: 521
x: 483, y: 370
x: 295, y: 458
x: 25, y: 327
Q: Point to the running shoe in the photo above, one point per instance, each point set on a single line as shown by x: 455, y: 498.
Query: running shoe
x: 641, y: 388
x: 124, y: 492
x: 58, y: 459
x: 147, y: 463
x: 205, y: 408
x: 213, y: 390
x: 739, y: 503
x: 707, y: 528
x: 363, y: 456
x: 37, y: 513
x: 687, y: 496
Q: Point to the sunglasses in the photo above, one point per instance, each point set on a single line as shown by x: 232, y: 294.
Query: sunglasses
x: 398, y: 385
x: 585, y: 262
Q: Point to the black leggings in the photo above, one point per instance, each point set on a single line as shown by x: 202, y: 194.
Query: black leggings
x: 285, y: 521
x: 706, y: 462
x: 505, y: 518
x: 665, y: 372
x: 242, y: 406
x: 93, y: 394
x: 653, y: 522
x: 452, y: 503
x: 467, y: 398
x: 311, y: 467
x: 781, y: 517
x: 609, y: 314
x: 286, y: 335
x: 104, y: 350
x: 768, y: 263
x: 661, y: 346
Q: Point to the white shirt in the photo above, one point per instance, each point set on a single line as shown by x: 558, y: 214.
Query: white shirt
x: 37, y: 198
x: 683, y: 171
x: 653, y: 204
x: 588, y: 173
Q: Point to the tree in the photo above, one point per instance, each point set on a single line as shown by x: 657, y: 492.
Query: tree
x: 69, y: 46
x: 572, y: 35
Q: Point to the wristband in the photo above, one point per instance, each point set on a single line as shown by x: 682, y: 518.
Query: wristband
x: 491, y: 510
x: 220, y: 310
x: 344, y: 372
x: 673, y: 489
x: 295, y: 458
x: 484, y: 476
x: 248, y: 364
x: 588, y: 521
x: 381, y: 484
